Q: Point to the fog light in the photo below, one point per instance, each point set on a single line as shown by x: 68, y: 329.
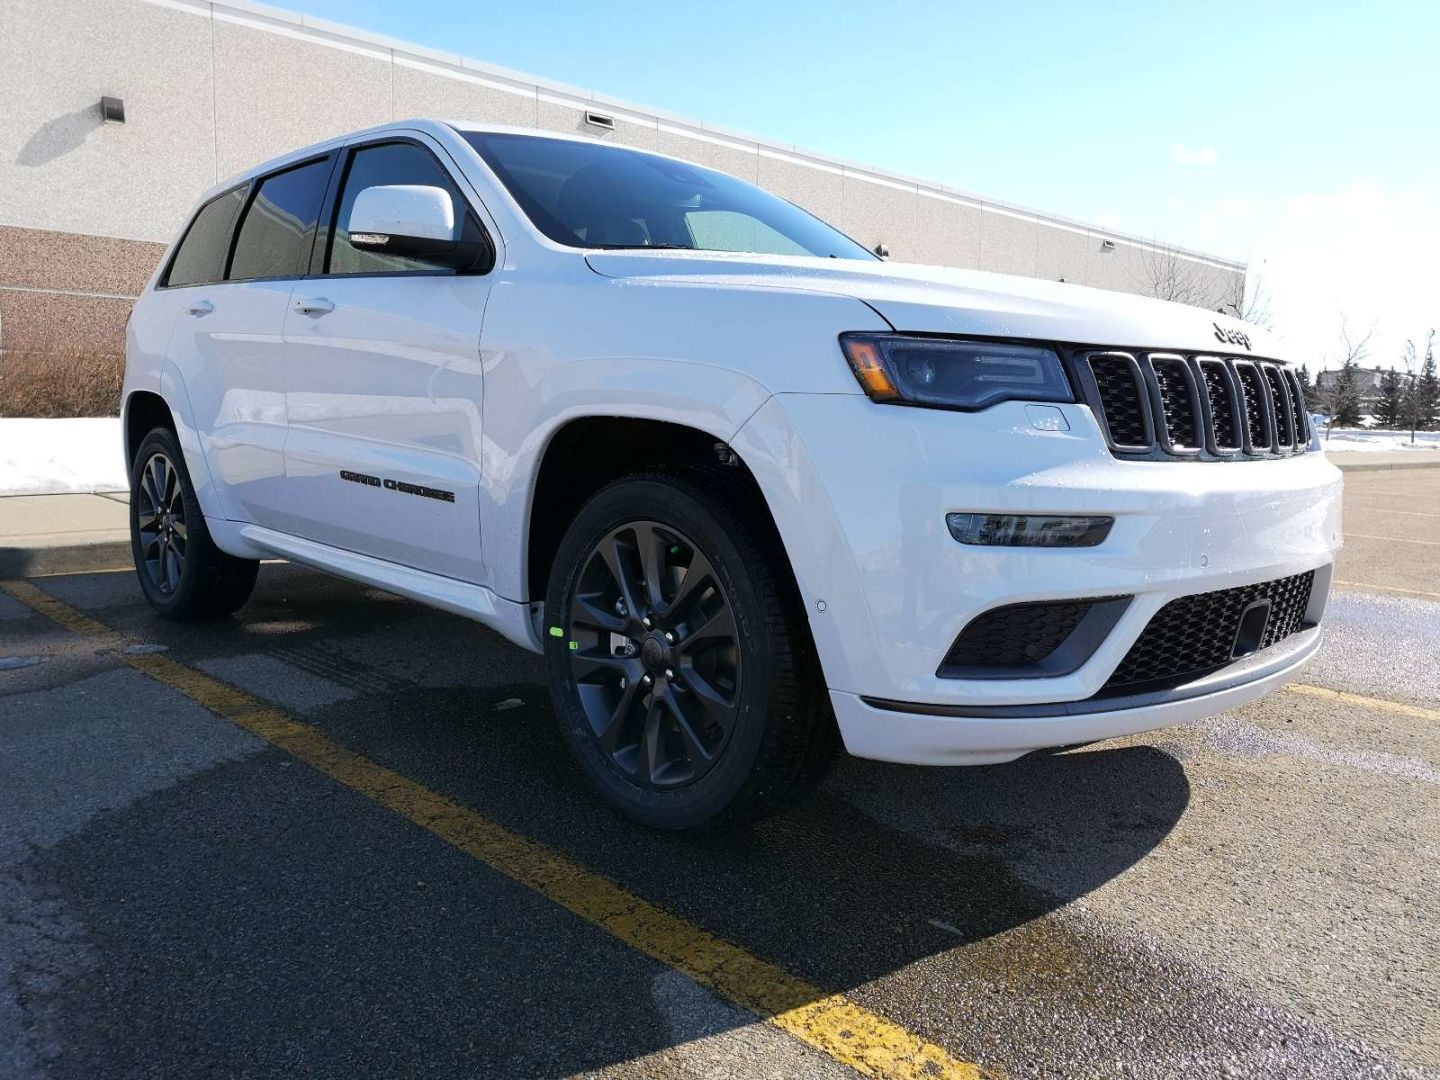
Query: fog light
x: 1028, y: 530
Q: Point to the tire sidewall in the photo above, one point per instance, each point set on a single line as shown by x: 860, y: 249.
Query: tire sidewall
x: 164, y: 442
x: 669, y: 504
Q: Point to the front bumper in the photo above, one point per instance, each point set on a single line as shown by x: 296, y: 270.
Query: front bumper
x: 860, y: 492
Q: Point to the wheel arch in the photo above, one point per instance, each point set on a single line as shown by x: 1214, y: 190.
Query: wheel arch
x: 570, y: 471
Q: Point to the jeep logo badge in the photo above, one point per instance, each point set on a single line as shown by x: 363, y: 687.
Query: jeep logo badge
x: 1231, y: 337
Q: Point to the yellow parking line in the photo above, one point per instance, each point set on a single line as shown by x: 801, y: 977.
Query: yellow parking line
x: 1388, y: 588
x: 1383, y: 704
x: 848, y: 1032
x: 1392, y: 539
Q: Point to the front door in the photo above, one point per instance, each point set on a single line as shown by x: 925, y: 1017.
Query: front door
x: 384, y: 388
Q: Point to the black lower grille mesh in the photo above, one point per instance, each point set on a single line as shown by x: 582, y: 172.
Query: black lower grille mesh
x: 1017, y: 634
x: 1195, y: 634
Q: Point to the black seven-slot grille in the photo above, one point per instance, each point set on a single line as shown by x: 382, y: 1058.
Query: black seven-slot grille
x: 1195, y: 634
x: 1195, y: 408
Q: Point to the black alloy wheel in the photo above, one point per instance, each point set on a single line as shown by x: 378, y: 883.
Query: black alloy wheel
x: 681, y: 665
x: 160, y: 519
x: 653, y: 651
x: 182, y: 573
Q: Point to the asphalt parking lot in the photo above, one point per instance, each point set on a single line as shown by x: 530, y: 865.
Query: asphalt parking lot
x: 339, y: 836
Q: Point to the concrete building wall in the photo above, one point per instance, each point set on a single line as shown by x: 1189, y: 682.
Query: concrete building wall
x: 212, y: 88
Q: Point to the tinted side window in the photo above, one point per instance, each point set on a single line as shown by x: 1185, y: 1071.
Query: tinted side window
x: 371, y: 166
x: 201, y: 256
x: 274, y: 239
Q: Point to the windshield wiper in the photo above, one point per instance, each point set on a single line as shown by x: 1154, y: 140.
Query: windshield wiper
x: 647, y: 247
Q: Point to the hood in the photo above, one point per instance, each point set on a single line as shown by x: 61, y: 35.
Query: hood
x: 941, y: 300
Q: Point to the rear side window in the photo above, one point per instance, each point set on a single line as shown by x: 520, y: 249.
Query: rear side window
x: 372, y: 166
x: 200, y: 258
x: 275, y: 235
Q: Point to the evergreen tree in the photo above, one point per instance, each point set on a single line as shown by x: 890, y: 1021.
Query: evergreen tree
x: 1427, y: 396
x: 1390, y: 413
x: 1345, y: 396
x: 1420, y: 404
x: 1305, y: 383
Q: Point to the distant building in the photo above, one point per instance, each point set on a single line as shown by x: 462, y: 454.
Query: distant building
x: 116, y: 116
x: 1368, y: 382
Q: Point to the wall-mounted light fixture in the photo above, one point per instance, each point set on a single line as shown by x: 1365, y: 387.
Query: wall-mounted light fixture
x: 1107, y: 245
x: 112, y: 110
x: 600, y: 120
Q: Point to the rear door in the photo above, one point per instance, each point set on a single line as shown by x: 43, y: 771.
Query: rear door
x: 384, y: 392
x: 228, y: 339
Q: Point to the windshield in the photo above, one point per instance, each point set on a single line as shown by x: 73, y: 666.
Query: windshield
x: 591, y: 195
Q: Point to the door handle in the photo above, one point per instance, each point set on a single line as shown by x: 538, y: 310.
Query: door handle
x: 314, y: 306
x: 199, y: 307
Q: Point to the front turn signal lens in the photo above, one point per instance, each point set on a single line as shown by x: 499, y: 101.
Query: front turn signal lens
x: 869, y: 366
x: 1028, y: 530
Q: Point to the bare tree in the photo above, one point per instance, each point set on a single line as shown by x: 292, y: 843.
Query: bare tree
x: 1339, y: 394
x: 1420, y: 401
x: 1248, y: 300
x: 1169, y: 275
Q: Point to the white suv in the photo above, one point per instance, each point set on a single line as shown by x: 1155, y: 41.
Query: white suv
x: 751, y: 490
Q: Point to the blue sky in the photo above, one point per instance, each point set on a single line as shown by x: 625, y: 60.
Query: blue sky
x: 1303, y: 137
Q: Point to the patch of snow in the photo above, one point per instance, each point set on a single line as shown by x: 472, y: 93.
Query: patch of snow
x: 1375, y: 441
x: 54, y: 457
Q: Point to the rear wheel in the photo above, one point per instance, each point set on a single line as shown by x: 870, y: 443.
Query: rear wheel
x: 680, y: 663
x: 182, y: 573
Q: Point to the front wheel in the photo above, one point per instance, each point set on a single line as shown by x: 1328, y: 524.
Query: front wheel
x: 182, y: 573
x: 681, y: 667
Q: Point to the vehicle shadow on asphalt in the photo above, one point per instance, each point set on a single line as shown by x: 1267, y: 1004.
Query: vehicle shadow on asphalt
x: 262, y: 890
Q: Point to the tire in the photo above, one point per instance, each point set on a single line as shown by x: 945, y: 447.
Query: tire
x: 182, y: 573
x: 739, y: 666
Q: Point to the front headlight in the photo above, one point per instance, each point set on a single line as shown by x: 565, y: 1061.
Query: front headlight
x: 953, y: 374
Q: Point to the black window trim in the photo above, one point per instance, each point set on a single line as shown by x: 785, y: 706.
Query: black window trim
x: 250, y: 196
x: 325, y: 234
x: 163, y: 281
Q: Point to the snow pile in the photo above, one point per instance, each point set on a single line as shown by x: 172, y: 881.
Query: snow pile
x: 51, y: 457
x: 1345, y: 440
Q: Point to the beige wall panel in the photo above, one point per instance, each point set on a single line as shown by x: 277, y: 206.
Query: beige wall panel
x: 817, y: 190
x: 37, y: 259
x: 570, y: 120
x: 946, y: 233
x: 881, y: 214
x: 1064, y: 253
x: 442, y: 97
x: 1122, y: 268
x: 275, y: 94
x: 61, y: 167
x: 1008, y: 244
x: 744, y: 163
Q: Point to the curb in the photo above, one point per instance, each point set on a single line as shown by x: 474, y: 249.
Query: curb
x: 1365, y: 466
x: 53, y: 559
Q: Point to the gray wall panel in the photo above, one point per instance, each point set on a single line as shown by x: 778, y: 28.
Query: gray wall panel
x: 947, y: 233
x: 879, y: 213
x: 1008, y: 245
x: 61, y: 167
x: 435, y: 93
x: 275, y: 93
x: 820, y: 191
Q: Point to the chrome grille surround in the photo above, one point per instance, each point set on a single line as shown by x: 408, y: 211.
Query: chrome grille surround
x: 1172, y: 406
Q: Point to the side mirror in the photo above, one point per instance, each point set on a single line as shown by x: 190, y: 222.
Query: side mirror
x: 413, y: 220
